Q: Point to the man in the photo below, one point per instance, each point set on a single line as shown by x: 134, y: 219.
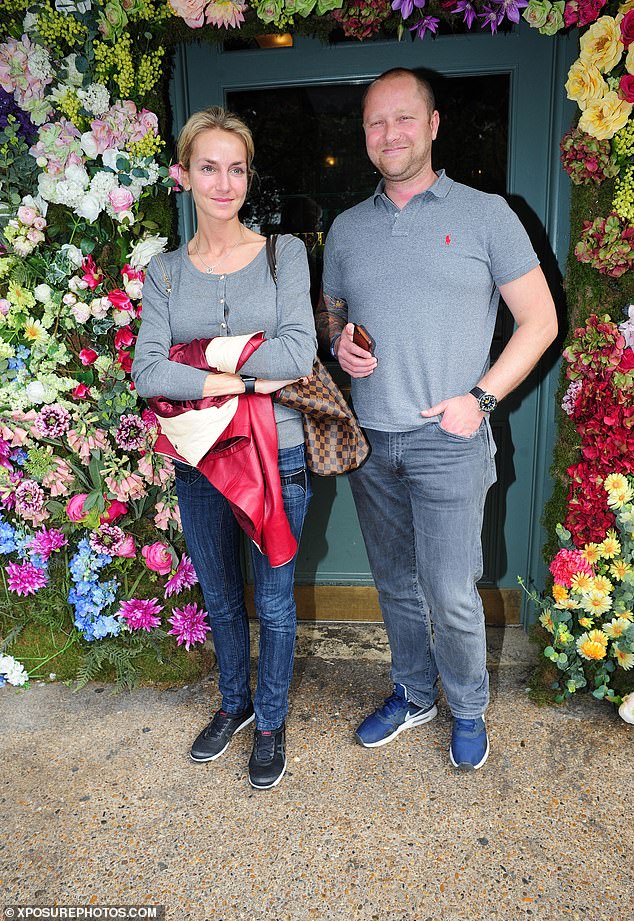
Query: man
x: 421, y: 265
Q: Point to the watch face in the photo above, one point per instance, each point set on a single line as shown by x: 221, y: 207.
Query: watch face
x: 488, y: 402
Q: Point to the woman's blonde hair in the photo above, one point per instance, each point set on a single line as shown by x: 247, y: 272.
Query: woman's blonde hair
x: 214, y: 117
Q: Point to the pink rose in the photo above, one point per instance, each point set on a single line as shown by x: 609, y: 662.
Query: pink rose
x: 126, y: 548
x: 26, y: 215
x: 120, y: 199
x: 148, y: 120
x: 75, y: 507
x: 192, y: 11
x: 626, y: 86
x: 157, y: 557
x: 88, y: 356
x: 174, y: 172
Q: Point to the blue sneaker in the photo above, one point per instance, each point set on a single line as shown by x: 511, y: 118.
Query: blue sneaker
x: 469, y: 747
x: 396, y: 714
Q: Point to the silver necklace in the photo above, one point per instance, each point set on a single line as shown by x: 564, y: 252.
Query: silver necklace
x: 210, y: 269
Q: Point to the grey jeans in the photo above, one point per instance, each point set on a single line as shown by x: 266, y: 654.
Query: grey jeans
x: 420, y: 500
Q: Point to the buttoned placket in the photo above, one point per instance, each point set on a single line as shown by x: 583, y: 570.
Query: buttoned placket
x: 222, y: 300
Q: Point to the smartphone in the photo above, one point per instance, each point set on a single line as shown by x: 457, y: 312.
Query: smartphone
x: 363, y: 339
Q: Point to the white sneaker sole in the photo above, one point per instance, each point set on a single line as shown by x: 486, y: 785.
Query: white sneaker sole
x: 213, y: 757
x: 417, y: 720
x: 269, y: 786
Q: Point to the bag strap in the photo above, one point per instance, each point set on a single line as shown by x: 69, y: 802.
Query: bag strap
x: 166, y: 281
x: 271, y: 256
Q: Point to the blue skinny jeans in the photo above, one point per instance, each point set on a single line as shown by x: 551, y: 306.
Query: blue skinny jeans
x: 213, y: 540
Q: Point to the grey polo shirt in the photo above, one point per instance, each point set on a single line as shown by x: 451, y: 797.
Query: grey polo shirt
x: 424, y: 282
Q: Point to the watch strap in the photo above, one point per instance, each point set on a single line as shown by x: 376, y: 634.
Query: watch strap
x: 249, y: 383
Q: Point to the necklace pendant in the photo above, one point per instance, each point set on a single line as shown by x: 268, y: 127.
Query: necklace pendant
x: 209, y: 271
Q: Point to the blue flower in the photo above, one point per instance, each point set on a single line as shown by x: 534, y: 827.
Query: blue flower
x: 7, y: 537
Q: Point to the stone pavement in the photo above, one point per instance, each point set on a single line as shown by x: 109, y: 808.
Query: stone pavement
x: 101, y: 804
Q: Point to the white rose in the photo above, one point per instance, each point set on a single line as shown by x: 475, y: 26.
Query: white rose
x: 42, y: 293
x: 121, y: 317
x: 69, y: 299
x: 125, y: 216
x: 36, y: 392
x: 81, y: 312
x: 42, y: 162
x: 88, y: 144
x: 23, y: 247
x: 77, y: 175
x: 73, y: 254
x: 110, y: 158
x: 47, y: 186
x: 143, y: 251
x: 133, y: 288
x: 89, y: 207
x: 626, y: 710
x: 99, y: 307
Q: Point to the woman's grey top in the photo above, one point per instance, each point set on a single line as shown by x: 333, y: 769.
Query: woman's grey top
x: 200, y: 306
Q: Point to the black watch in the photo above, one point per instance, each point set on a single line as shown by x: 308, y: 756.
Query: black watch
x: 249, y: 383
x: 486, y: 401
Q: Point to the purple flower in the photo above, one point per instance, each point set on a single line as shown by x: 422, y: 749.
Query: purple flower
x: 491, y: 18
x: 407, y: 6
x: 8, y: 106
x: 52, y: 421
x: 426, y: 24
x: 184, y: 577
x: 463, y: 6
x: 189, y: 625
x: 141, y: 613
x: 510, y: 9
x: 107, y: 539
x: 131, y: 434
x: 29, y: 497
x: 46, y: 541
x: 25, y: 578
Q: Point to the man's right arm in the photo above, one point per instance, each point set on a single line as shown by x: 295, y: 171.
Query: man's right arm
x: 335, y: 333
x: 331, y: 317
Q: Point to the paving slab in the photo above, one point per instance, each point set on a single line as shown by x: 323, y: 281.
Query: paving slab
x: 101, y: 804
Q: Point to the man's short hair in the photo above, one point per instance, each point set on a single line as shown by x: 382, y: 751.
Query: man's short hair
x: 423, y: 85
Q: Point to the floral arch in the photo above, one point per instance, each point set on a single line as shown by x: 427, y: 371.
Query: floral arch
x: 89, y: 526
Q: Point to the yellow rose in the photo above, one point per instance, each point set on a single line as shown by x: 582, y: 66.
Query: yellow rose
x: 629, y: 60
x: 585, y: 83
x: 604, y: 117
x: 601, y: 45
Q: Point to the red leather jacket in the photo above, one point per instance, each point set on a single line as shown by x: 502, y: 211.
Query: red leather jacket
x: 232, y: 440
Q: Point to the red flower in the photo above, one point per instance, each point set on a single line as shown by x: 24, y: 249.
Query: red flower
x: 93, y: 274
x: 124, y: 337
x: 88, y: 356
x: 120, y: 300
x: 81, y: 392
x: 114, y: 510
x: 626, y: 86
x: 125, y: 361
x: 627, y: 28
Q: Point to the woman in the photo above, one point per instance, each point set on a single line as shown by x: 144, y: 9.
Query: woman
x: 219, y: 285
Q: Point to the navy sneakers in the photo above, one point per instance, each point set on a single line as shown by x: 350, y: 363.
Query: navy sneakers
x: 469, y: 747
x: 396, y: 714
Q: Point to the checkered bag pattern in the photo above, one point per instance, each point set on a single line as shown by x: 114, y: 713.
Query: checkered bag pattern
x: 334, y: 440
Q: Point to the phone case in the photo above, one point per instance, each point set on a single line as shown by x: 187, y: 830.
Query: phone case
x: 363, y: 339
